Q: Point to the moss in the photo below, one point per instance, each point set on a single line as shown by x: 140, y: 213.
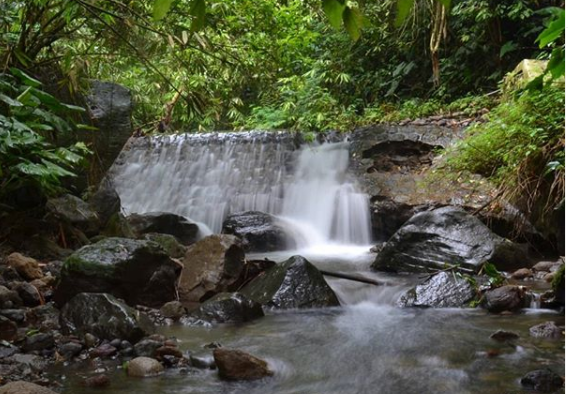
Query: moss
x: 117, y: 226
x: 558, y: 280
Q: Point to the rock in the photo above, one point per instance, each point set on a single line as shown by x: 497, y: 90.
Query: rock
x: 147, y: 348
x: 173, y: 310
x: 227, y: 308
x: 168, y: 242
x: 105, y: 201
x: 543, y: 266
x: 210, y: 266
x: 8, y: 329
x: 97, y: 381
x: 142, y: 367
x: 139, y: 272
x: 7, y: 349
x: 164, y: 223
x: 104, y: 316
x: 76, y: 212
x: 9, y: 298
x: 237, y: 365
x: 543, y: 380
x: 90, y: 340
x: 110, y: 108
x: 439, y: 291
x: 504, y: 298
x: 165, y: 351
x: 546, y: 330
x: 69, y: 350
x: 260, y: 232
x: 296, y: 283
x: 202, y: 362
x: 549, y: 277
x: 39, y: 341
x: 26, y: 267
x: 502, y: 335
x: 35, y: 363
x: 29, y: 294
x: 16, y: 315
x: 44, y: 317
x: 21, y: 387
x: 522, y: 273
x: 388, y: 215
x: 449, y: 235
x: 559, y: 285
x: 103, y: 351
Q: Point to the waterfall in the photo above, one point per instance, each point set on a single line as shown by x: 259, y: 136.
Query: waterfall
x: 206, y: 177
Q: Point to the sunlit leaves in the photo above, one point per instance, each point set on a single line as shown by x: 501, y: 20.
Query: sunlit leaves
x: 338, y: 12
x: 554, y: 30
x: 161, y: 8
x: 334, y: 11
x: 197, y: 11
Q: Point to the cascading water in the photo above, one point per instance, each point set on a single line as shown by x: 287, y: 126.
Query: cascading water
x: 206, y: 177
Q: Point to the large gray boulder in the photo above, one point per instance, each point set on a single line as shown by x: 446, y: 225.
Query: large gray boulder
x: 211, y: 266
x: 441, y: 290
x: 431, y: 240
x: 225, y: 308
x: 104, y: 316
x: 508, y: 298
x: 296, y: 283
x: 260, y: 232
x: 164, y: 223
x: 76, y: 212
x: 137, y: 271
x: 105, y: 201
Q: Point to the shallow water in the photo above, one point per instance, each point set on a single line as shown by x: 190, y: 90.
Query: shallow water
x: 366, y: 346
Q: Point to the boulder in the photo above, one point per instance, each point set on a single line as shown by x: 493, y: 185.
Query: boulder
x: 143, y: 367
x: 546, y: 330
x: 431, y: 240
x: 235, y: 364
x: 260, y: 232
x: 9, y: 298
x: 522, y: 273
x: 26, y: 267
x: 8, y: 329
x: 226, y: 308
x: 76, y: 212
x: 164, y: 223
x: 104, y: 316
x: 28, y: 293
x: 105, y: 201
x: 441, y: 290
x: 168, y: 242
x: 39, y: 341
x: 504, y: 298
x: 542, y: 380
x: 147, y: 347
x: 210, y: 266
x: 172, y: 310
x: 502, y: 335
x: 296, y: 283
x: 21, y: 387
x: 137, y: 271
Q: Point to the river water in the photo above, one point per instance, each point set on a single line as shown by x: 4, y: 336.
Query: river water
x: 368, y: 345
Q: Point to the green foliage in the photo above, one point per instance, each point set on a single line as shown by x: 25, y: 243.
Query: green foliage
x: 27, y: 116
x: 495, y: 277
x: 558, y: 280
x: 553, y: 36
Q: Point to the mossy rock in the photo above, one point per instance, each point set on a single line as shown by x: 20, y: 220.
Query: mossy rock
x: 168, y: 242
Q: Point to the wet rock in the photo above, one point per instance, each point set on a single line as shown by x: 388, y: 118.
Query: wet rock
x: 147, y: 348
x: 35, y: 363
x: 439, y: 291
x: 8, y: 329
x: 26, y: 267
x: 549, y: 277
x: 212, y: 265
x: 546, y: 330
x: 44, y: 317
x: 103, y: 351
x: 165, y: 351
x: 97, y: 381
x: 16, y: 315
x: 38, y: 342
x: 9, y: 298
x: 69, y: 350
x: 388, y: 215
x: 504, y: 298
x: 260, y: 232
x: 502, y: 335
x: 173, y: 310
x: 139, y: 272
x: 237, y: 365
x: 202, y: 362
x: 7, y: 349
x: 168, y: 242
x: 21, y: 387
x: 542, y: 380
x: 430, y: 240
x: 90, y: 340
x: 543, y: 266
x: 104, y: 316
x: 226, y: 308
x: 164, y: 223
x: 522, y: 273
x: 74, y: 211
x: 29, y: 294
x: 296, y: 283
x: 105, y: 201
x: 142, y: 367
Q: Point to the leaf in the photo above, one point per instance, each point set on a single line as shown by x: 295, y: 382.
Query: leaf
x: 161, y: 8
x: 507, y: 47
x: 352, y: 21
x: 10, y: 101
x: 403, y: 8
x: 556, y: 64
x: 73, y: 108
x: 46, y: 99
x: 197, y: 11
x: 334, y: 11
x: 553, y: 31
x: 446, y: 3
x: 25, y: 78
